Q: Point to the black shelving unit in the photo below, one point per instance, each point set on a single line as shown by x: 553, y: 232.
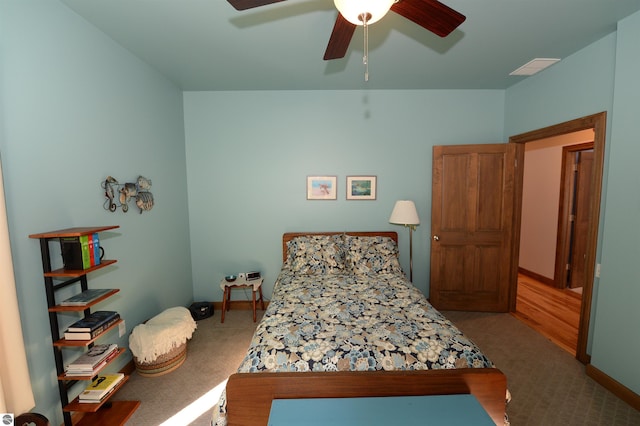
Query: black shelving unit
x: 105, y: 412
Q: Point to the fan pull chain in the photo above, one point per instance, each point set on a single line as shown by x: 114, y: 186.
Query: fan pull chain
x: 365, y: 58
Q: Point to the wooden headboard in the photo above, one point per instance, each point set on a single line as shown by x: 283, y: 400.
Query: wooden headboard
x: 288, y: 236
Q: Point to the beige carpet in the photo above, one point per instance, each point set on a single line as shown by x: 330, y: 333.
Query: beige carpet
x: 213, y: 353
x: 549, y: 387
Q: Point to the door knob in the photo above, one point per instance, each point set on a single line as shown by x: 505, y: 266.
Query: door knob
x: 436, y: 238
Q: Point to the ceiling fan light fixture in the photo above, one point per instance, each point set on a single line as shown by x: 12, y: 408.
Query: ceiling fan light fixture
x: 373, y: 10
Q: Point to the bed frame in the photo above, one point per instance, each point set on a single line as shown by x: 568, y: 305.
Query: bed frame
x: 249, y: 395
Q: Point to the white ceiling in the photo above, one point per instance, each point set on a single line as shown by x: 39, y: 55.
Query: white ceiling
x: 208, y: 45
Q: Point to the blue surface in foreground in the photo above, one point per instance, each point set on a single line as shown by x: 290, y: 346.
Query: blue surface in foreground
x: 450, y: 410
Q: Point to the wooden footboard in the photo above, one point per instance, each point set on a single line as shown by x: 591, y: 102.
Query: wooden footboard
x: 249, y: 395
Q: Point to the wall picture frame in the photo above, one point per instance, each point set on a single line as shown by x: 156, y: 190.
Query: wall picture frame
x: 322, y: 188
x: 361, y: 187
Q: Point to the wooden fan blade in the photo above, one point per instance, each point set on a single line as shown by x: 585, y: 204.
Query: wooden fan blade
x: 340, y: 38
x: 430, y: 14
x: 250, y: 4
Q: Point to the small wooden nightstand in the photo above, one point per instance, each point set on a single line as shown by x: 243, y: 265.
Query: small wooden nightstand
x: 256, y: 286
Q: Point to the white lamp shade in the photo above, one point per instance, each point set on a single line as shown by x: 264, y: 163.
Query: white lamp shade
x: 404, y: 213
x: 352, y: 9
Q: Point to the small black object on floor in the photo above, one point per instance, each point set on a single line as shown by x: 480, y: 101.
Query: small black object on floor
x: 201, y: 310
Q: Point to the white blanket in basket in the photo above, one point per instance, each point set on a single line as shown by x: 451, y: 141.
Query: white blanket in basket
x: 167, y: 330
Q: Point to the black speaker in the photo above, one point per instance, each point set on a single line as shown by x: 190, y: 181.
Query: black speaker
x: 201, y: 310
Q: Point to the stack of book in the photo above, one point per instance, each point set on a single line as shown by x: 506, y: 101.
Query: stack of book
x: 92, y: 326
x: 86, y: 297
x: 93, y: 360
x: 100, y: 388
x: 80, y: 252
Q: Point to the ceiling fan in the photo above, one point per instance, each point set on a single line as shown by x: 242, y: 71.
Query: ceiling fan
x: 429, y: 14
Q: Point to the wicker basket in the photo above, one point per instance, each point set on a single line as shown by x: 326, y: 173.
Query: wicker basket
x: 164, y: 364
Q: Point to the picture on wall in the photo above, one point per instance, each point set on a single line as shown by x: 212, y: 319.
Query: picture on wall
x: 322, y: 188
x: 361, y: 187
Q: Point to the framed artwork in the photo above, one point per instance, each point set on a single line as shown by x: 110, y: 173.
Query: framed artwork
x: 322, y: 188
x: 361, y: 187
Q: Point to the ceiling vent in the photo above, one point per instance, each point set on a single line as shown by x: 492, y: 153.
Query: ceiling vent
x: 535, y: 65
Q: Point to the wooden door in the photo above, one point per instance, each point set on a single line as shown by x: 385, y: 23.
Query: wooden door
x: 579, y: 246
x: 472, y: 227
x: 574, y: 217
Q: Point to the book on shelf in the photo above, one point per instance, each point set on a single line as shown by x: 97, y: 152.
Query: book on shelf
x: 87, y: 373
x: 92, y: 260
x: 86, y: 297
x: 100, y: 387
x: 84, y: 245
x: 89, y: 400
x: 93, y: 357
x: 88, y: 335
x: 91, y: 372
x: 96, y: 249
x: 74, y: 372
x: 93, y: 321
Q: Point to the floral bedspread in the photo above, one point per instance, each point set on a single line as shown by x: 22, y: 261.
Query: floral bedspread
x: 338, y: 322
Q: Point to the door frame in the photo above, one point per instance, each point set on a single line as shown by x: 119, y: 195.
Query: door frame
x: 597, y: 122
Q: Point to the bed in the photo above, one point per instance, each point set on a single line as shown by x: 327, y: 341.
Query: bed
x: 344, y: 321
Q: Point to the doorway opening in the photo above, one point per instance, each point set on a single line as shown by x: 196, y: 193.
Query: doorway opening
x: 555, y: 192
x: 586, y: 266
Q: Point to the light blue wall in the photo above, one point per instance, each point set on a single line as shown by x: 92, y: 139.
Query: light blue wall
x: 77, y: 107
x: 249, y: 153
x: 616, y: 341
x: 583, y: 84
x: 579, y: 85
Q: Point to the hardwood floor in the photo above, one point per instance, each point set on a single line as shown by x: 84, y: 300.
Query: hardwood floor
x: 552, y: 312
